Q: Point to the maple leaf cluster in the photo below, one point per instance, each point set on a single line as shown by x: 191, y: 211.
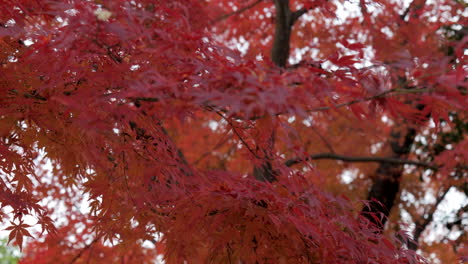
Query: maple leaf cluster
x: 174, y: 138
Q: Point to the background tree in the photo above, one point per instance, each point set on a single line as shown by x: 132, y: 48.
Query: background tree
x: 258, y: 155
x: 8, y: 254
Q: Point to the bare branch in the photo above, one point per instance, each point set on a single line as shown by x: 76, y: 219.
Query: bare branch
x: 344, y: 158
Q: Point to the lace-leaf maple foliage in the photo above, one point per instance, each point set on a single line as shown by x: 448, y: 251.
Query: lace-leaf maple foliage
x: 146, y: 111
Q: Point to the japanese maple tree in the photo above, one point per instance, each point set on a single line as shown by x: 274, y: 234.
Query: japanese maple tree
x: 227, y: 131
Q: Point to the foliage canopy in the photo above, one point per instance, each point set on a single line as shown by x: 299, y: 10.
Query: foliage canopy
x: 230, y: 131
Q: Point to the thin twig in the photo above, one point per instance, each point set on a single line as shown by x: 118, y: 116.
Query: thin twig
x: 237, y: 12
x: 238, y: 135
x: 324, y: 140
x: 84, y: 249
x: 427, y: 219
x: 218, y: 145
x: 377, y: 96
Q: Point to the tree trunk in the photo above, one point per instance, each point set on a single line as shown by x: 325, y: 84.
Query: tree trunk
x: 386, y: 184
x: 283, y: 26
x: 284, y: 21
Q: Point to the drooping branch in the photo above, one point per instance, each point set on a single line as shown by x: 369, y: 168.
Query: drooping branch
x: 333, y: 156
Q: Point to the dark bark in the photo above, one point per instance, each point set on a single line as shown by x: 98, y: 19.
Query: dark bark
x: 283, y: 26
x: 284, y: 21
x: 386, y: 184
x: 279, y: 56
x: 265, y: 172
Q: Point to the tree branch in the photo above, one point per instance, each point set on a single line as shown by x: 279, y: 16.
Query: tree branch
x: 421, y: 226
x: 243, y: 9
x: 377, y: 96
x: 344, y: 158
x: 239, y: 135
x: 86, y: 247
x: 403, y: 16
x: 355, y: 101
x: 218, y: 145
x: 324, y: 140
x: 297, y: 14
x: 413, y: 6
x: 213, y: 108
